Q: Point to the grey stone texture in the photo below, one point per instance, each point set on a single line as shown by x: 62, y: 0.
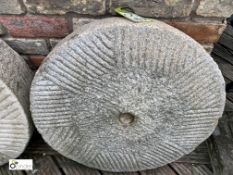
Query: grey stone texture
x: 11, y: 7
x: 28, y: 46
x: 156, y: 8
x: 122, y: 96
x: 215, y: 8
x: 78, y: 22
x: 15, y: 123
x: 61, y: 7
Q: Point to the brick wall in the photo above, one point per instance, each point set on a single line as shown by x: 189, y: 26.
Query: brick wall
x: 33, y: 27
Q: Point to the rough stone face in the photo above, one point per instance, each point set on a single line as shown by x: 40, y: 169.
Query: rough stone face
x: 35, y: 26
x: 123, y: 96
x: 11, y: 7
x: 61, y: 7
x: 79, y: 22
x: 15, y: 125
x: 156, y: 8
x: 28, y: 46
x: 223, y: 8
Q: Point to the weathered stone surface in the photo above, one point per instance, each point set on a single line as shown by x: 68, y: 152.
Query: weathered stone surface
x: 61, y: 7
x: 28, y: 46
x: 15, y: 125
x: 79, y: 22
x: 11, y: 7
x: 216, y: 8
x: 35, y: 26
x: 156, y: 8
x: 123, y: 96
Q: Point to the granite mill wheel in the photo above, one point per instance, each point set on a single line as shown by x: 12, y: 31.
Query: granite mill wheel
x: 123, y: 96
x: 15, y: 124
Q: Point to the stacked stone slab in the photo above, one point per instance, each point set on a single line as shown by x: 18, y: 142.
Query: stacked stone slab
x: 15, y: 124
x: 123, y: 96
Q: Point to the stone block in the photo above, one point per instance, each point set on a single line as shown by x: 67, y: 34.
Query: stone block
x: 90, y: 7
x: 28, y: 46
x: 35, y: 26
x: 215, y: 8
x: 11, y: 7
x: 156, y: 8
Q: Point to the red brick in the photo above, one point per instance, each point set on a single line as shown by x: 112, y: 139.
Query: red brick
x: 202, y: 32
x: 36, y: 26
x: 36, y: 59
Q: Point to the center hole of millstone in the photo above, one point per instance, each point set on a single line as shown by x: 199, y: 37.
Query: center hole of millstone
x: 126, y: 118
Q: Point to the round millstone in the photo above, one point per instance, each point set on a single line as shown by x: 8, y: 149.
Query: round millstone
x: 15, y: 124
x: 123, y: 96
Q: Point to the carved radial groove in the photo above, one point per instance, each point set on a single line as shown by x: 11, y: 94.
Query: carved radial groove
x: 165, y: 80
x: 15, y: 126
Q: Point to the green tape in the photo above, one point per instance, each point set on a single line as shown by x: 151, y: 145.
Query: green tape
x: 130, y: 15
